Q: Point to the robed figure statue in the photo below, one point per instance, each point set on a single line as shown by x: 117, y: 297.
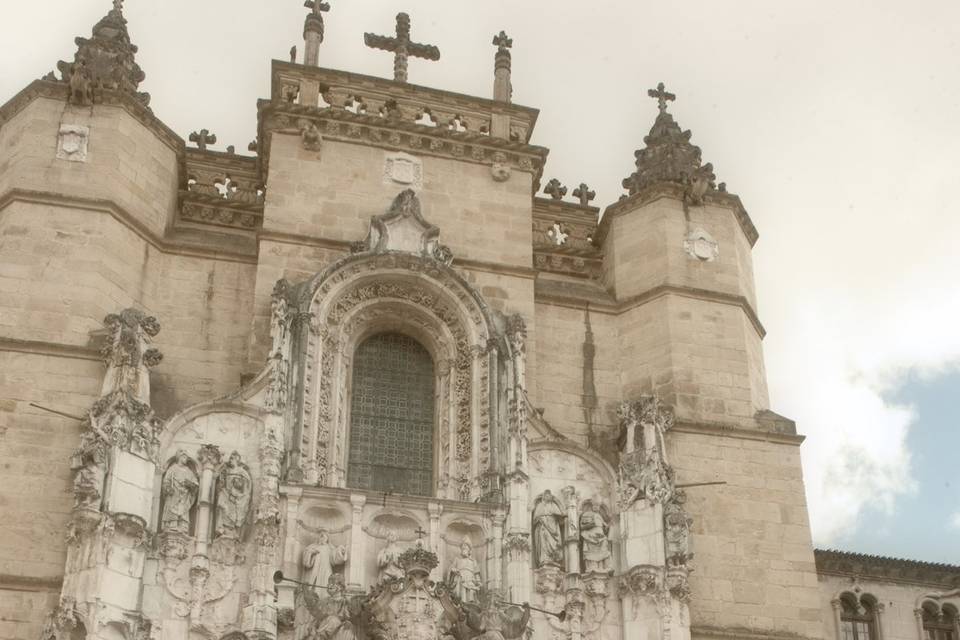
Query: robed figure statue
x: 547, y: 531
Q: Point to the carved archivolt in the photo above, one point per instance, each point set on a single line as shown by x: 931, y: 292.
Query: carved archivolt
x: 415, y: 294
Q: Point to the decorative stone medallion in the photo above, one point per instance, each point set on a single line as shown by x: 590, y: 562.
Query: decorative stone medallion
x: 700, y: 245
x: 72, y: 142
x: 403, y: 168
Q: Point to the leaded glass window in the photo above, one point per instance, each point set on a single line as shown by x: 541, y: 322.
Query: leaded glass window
x: 391, y: 430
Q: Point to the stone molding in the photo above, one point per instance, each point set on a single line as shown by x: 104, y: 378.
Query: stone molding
x: 123, y: 216
x: 868, y: 567
x: 659, y: 190
x: 621, y: 306
x: 704, y: 632
x: 725, y: 430
x: 51, y: 349
x: 60, y: 91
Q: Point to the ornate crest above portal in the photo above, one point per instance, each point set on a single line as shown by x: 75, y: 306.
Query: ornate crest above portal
x: 403, y: 229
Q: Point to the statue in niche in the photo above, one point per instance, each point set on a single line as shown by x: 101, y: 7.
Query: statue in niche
x: 677, y: 523
x: 90, y: 466
x: 463, y: 577
x: 548, y: 517
x: 321, y: 560
x: 388, y: 560
x: 179, y: 491
x: 594, y: 536
x: 331, y: 613
x: 234, y: 492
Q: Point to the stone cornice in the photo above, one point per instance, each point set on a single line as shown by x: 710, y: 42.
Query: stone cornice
x: 565, y: 211
x: 725, y: 430
x: 344, y: 246
x: 52, y: 349
x: 864, y: 566
x: 670, y: 190
x: 549, y: 292
x: 705, y: 632
x: 163, y: 244
x: 389, y: 134
x: 59, y: 91
x: 381, y: 499
x: 11, y: 582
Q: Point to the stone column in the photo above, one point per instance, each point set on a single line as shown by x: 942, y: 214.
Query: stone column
x: 918, y: 616
x: 313, y: 37
x: 502, y: 88
x: 837, y: 607
x: 571, y: 536
x: 878, y: 609
x: 292, y: 551
x: 435, y: 509
x: 495, y: 553
x: 357, y: 543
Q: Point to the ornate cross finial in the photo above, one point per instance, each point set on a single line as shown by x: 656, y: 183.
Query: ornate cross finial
x: 402, y: 47
x: 502, y: 40
x: 317, y: 6
x: 583, y: 192
x: 555, y: 190
x: 118, y: 6
x: 203, y: 138
x: 662, y: 97
x: 420, y: 532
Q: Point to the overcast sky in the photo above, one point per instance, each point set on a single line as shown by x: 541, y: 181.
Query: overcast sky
x: 836, y: 122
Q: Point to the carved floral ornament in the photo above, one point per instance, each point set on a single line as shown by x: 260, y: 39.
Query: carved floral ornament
x: 398, y: 279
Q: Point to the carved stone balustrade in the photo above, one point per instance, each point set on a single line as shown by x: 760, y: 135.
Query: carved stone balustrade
x: 221, y: 189
x: 417, y: 119
x: 563, y: 235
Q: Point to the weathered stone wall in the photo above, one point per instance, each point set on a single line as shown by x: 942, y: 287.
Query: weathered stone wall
x: 79, y: 241
x: 753, y: 559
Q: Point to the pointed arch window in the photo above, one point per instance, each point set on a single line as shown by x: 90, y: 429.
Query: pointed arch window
x: 392, y: 416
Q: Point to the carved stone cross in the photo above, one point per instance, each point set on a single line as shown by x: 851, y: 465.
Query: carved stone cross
x: 317, y: 6
x: 502, y: 40
x: 203, y: 138
x: 118, y: 5
x: 555, y: 190
x: 662, y: 97
x: 420, y: 532
x: 402, y: 47
x: 583, y: 192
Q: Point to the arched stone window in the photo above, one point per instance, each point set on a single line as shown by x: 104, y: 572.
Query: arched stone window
x: 939, y: 623
x: 857, y: 618
x: 392, y: 416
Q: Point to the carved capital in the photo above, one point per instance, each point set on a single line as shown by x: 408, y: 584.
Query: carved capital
x: 209, y: 456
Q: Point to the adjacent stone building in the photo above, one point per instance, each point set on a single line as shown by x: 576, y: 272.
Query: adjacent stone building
x: 363, y: 382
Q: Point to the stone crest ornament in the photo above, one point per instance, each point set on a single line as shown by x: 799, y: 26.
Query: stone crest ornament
x: 311, y: 138
x: 403, y: 168
x: 700, y: 245
x: 669, y: 157
x: 500, y: 169
x: 72, y: 142
x: 644, y: 471
x: 403, y: 229
x: 104, y: 62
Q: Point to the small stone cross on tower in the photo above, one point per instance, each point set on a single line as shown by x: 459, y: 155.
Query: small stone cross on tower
x: 402, y: 47
x: 662, y: 97
x: 503, y: 41
x: 203, y: 138
x: 555, y: 190
x: 420, y: 532
x: 317, y: 6
x: 118, y: 6
x: 584, y: 193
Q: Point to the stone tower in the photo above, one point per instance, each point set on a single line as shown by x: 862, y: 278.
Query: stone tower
x: 400, y: 395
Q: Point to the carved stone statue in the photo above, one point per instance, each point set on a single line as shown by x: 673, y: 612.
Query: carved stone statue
x: 491, y: 620
x: 547, y: 531
x: 180, y: 487
x: 677, y: 523
x: 594, y: 535
x: 463, y: 577
x: 331, y: 614
x: 234, y: 492
x: 90, y: 467
x: 321, y: 560
x: 388, y: 560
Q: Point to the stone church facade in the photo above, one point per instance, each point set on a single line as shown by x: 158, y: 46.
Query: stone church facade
x: 363, y: 382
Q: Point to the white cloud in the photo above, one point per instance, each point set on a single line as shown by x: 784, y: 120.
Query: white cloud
x: 955, y: 520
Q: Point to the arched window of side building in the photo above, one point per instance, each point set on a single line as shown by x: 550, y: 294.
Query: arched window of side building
x: 392, y: 416
x: 857, y: 618
x: 939, y: 623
